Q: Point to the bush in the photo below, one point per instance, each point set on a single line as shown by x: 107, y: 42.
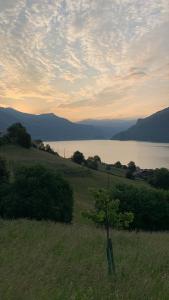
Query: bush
x: 17, y: 134
x: 149, y: 206
x: 38, y: 193
x: 131, y: 166
x: 160, y: 178
x: 4, y: 174
x: 78, y: 157
x: 129, y: 174
x: 92, y: 163
x: 117, y: 165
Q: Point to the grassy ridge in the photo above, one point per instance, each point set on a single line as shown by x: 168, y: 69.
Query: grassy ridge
x: 48, y: 261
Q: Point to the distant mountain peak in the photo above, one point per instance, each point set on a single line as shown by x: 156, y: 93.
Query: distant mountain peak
x: 154, y: 128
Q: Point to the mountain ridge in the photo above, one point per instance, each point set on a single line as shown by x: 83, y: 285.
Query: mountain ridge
x: 154, y: 128
x: 48, y: 126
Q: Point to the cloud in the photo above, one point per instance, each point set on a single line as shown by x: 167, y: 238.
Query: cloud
x: 81, y: 54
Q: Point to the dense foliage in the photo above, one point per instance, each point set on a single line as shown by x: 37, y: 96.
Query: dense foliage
x: 17, y: 134
x: 149, y: 206
x: 130, y: 170
x: 92, y: 163
x: 160, y: 178
x: 107, y: 211
x: 37, y: 193
x: 78, y: 157
x: 4, y: 174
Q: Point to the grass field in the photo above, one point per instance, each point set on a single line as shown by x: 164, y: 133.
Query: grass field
x: 48, y: 261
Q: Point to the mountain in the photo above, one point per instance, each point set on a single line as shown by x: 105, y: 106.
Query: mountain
x: 109, y: 127
x: 154, y: 128
x: 48, y: 127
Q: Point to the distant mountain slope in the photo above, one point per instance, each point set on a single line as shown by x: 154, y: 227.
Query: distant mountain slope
x: 48, y: 126
x: 109, y: 126
x: 154, y: 128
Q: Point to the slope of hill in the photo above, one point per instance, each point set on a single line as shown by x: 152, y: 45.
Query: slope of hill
x: 154, y: 128
x: 57, y: 261
x: 108, y: 126
x: 48, y: 126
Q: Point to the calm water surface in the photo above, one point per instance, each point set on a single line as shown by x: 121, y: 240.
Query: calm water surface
x: 145, y: 155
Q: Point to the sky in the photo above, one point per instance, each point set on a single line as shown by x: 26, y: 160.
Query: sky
x: 85, y: 58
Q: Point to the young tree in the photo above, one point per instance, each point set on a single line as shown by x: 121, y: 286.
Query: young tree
x: 107, y: 213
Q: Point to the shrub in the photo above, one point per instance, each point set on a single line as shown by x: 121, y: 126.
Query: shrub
x: 131, y: 166
x: 117, y: 165
x: 38, y: 193
x: 92, y: 163
x: 78, y: 157
x: 4, y: 174
x: 129, y: 174
x: 149, y: 206
x: 160, y: 178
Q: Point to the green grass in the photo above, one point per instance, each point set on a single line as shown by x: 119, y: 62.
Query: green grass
x: 48, y: 261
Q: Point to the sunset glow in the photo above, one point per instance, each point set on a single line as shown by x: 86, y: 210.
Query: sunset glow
x: 85, y: 59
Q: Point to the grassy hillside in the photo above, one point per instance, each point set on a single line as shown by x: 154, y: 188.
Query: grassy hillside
x: 48, y: 261
x: 81, y: 178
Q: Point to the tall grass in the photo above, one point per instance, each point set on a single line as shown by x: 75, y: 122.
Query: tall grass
x: 41, y: 260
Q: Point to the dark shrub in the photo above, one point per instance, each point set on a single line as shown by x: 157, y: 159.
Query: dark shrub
x: 92, y: 163
x: 4, y: 174
x: 97, y: 158
x: 17, y: 134
x: 131, y: 166
x: 160, y: 178
x: 38, y: 193
x: 129, y: 174
x: 78, y: 157
x: 117, y: 165
x: 149, y: 206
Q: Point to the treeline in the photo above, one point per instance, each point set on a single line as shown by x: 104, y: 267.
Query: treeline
x: 17, y: 135
x: 35, y: 193
x: 158, y: 178
x: 90, y: 162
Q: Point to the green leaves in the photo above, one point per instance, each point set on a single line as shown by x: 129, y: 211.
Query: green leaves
x: 107, y: 209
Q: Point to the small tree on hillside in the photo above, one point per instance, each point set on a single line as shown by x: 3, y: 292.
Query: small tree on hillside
x: 117, y: 165
x: 130, y: 170
x: 92, y: 163
x: 132, y: 166
x: 107, y: 213
x: 78, y: 157
x: 17, y: 134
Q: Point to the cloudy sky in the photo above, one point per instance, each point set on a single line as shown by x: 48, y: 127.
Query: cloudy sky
x: 85, y: 58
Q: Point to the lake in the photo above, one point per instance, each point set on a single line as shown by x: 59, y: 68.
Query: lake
x: 145, y: 155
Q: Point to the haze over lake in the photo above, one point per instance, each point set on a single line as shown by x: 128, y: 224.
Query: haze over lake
x: 145, y: 155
